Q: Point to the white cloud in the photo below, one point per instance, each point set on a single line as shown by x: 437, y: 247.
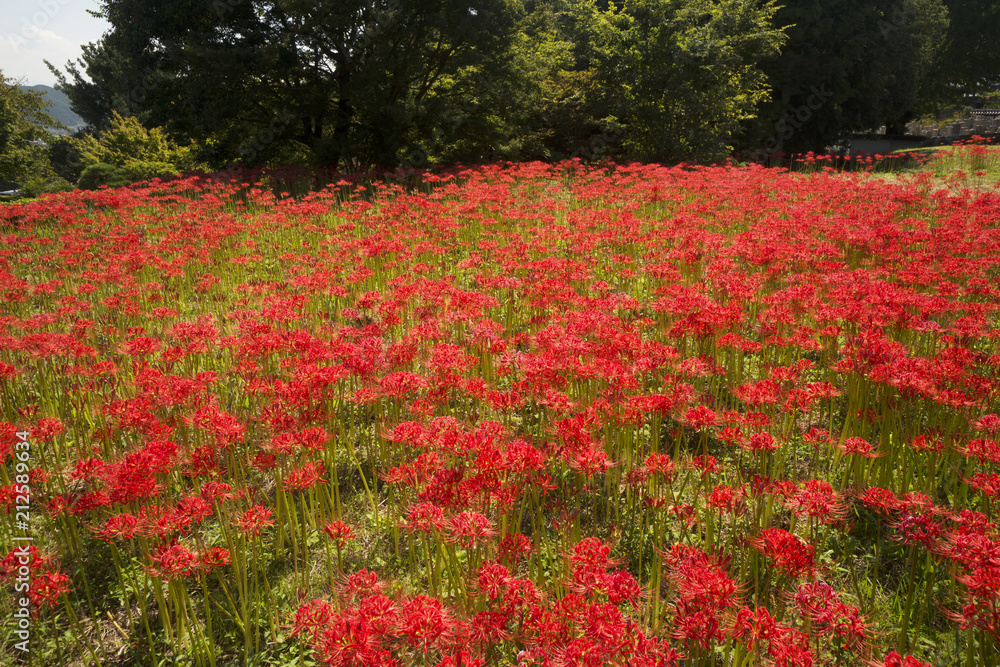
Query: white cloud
x: 22, y: 53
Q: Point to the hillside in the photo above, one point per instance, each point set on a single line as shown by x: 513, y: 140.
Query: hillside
x: 60, y: 109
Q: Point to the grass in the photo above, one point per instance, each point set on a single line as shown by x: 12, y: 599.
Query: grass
x: 576, y: 351
x: 973, y: 165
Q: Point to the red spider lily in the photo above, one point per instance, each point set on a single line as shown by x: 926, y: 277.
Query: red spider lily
x: 699, y: 417
x: 222, y: 425
x: 56, y: 506
x: 310, y: 618
x: 470, y: 529
x: 706, y: 465
x: 254, y: 520
x: 313, y: 439
x: 700, y: 579
x: 47, y: 429
x: 818, y: 602
x: 464, y: 658
x: 589, y: 311
x: 492, y: 580
x: 980, y: 613
x: 881, y: 500
x: 193, y: 509
x: 11, y: 563
x: 46, y: 589
x: 8, y: 436
x: 983, y: 450
x: 162, y: 522
x: 592, y: 554
x: 972, y: 523
x: 988, y: 424
x: 859, y: 447
x: 283, y: 444
x: 817, y: 498
x: 513, y: 548
x: 360, y: 584
x: 520, y: 457
x: 425, y: 517
x: 761, y: 442
x: 791, y: 649
x: 754, y: 628
x: 893, y: 659
x: 699, y: 628
x: 914, y: 528
x: 489, y: 628
x: 922, y: 443
x: 305, y: 477
x: 89, y: 501
x: 732, y: 436
x: 339, y: 532
x: 816, y: 437
x: 8, y: 497
x: 986, y: 483
x: 687, y: 514
x: 119, y: 527
x: 213, y: 558
x: 792, y: 556
x: 921, y: 502
x: 379, y: 612
x: 660, y: 464
x: 264, y: 461
x: 591, y: 461
x: 622, y: 587
x: 7, y: 371
x: 88, y: 469
x: 727, y: 500
x: 140, y: 347
x: 424, y: 623
x: 171, y: 561
x: 212, y: 491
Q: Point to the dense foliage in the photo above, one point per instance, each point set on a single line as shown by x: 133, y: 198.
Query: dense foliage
x: 420, y: 82
x: 389, y: 82
x: 848, y: 66
x: 543, y: 415
x: 969, y: 60
x: 24, y: 123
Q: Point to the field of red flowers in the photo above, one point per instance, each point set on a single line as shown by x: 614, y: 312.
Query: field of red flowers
x: 526, y: 414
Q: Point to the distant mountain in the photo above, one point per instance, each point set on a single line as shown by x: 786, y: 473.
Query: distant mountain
x: 59, y: 110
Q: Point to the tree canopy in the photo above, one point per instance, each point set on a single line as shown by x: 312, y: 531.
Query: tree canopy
x: 848, y: 66
x: 384, y: 83
x: 24, y: 122
x: 969, y: 59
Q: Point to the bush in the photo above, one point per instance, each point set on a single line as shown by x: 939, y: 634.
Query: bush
x: 127, y: 141
x: 131, y: 172
x: 97, y: 175
x: 103, y: 173
x: 65, y: 158
x: 43, y: 185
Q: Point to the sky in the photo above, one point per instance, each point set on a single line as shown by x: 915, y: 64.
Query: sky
x: 35, y: 30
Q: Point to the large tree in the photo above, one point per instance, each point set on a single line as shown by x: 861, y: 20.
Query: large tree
x: 388, y: 82
x: 680, y: 76
x: 969, y: 61
x: 647, y: 79
x: 345, y: 81
x: 848, y: 66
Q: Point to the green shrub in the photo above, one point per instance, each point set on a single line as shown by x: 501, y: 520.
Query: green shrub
x: 65, y: 158
x: 43, y: 185
x: 130, y: 172
x: 126, y: 141
x: 97, y: 175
